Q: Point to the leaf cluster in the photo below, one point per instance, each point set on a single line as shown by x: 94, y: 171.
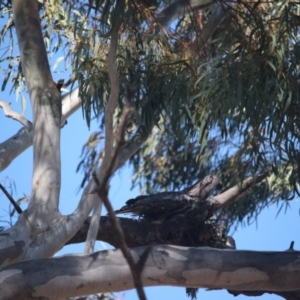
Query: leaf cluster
x: 233, y: 109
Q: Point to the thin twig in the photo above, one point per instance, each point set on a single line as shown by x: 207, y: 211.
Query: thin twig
x: 15, y: 116
x: 110, y: 159
x: 136, y: 141
x: 10, y: 198
x: 136, y: 268
x: 109, y: 137
x: 119, y: 139
x: 291, y: 248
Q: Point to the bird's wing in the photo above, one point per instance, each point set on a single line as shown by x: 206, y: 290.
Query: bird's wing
x: 156, y: 205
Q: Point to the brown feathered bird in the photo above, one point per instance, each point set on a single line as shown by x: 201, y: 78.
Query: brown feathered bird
x: 167, y: 204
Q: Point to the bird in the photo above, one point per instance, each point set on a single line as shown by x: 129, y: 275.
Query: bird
x: 165, y: 205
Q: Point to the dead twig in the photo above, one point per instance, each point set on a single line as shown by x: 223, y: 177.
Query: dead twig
x: 136, y: 268
x: 10, y: 198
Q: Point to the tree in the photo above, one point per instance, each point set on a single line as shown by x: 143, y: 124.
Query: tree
x: 217, y: 90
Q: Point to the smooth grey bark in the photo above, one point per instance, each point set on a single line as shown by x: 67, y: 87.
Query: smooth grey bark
x: 46, y: 104
x: 23, y: 139
x: 41, y: 230
x: 107, y: 271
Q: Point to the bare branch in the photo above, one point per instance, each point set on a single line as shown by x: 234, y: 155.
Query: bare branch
x: 137, y: 232
x: 291, y: 248
x: 114, y: 90
x: 233, y: 194
x: 109, y: 137
x: 70, y: 103
x: 18, y: 143
x: 15, y: 116
x: 136, y: 268
x: 134, y: 144
x: 14, y: 146
x: 142, y: 232
x: 70, y: 276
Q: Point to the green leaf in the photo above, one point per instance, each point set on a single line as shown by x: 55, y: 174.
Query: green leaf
x: 57, y: 62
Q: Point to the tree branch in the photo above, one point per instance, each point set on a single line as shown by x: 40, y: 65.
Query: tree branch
x: 178, y: 9
x: 137, y: 233
x: 15, y: 116
x: 233, y: 194
x: 107, y: 271
x: 109, y: 136
x: 218, y: 13
x: 160, y: 210
x: 36, y: 227
x: 136, y: 268
x: 134, y: 144
x: 121, y: 244
x: 114, y: 90
x: 23, y: 139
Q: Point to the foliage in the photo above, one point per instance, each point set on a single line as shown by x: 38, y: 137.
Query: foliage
x: 233, y: 109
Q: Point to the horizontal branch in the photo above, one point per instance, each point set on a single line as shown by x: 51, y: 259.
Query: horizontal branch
x: 137, y: 232
x: 107, y: 271
x: 23, y: 139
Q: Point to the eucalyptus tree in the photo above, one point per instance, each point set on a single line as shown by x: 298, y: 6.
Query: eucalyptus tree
x: 182, y: 90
